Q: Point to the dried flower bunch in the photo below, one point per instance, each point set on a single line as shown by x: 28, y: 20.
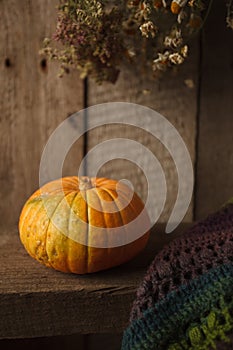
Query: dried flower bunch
x: 98, y: 37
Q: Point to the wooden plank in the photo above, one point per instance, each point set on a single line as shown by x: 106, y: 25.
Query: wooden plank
x: 104, y: 341
x: 215, y: 157
x: 71, y: 342
x: 36, y: 301
x: 33, y: 101
x: 169, y: 96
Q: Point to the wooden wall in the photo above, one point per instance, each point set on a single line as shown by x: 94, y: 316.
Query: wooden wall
x: 33, y: 101
x: 214, y: 159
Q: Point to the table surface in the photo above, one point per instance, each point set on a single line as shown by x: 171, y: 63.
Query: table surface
x: 38, y: 301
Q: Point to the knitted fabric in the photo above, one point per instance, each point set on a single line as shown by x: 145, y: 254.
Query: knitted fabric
x: 186, y: 298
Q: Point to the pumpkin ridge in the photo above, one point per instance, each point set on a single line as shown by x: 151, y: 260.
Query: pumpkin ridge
x: 24, y: 234
x: 59, y: 187
x: 91, y: 192
x: 50, y: 221
x: 21, y: 224
x: 120, y: 213
x: 99, y: 182
x: 109, y: 248
x: 59, y: 190
x: 113, y: 198
x: 70, y: 180
x: 35, y: 222
x: 73, y: 180
x: 120, y: 217
x: 131, y: 203
x: 87, y: 235
x: 131, y: 207
x: 119, y: 209
x: 102, y: 211
x: 68, y: 228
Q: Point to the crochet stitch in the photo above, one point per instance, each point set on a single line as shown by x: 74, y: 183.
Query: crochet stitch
x: 186, y: 298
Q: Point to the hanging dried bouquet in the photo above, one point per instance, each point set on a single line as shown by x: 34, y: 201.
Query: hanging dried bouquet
x: 98, y: 37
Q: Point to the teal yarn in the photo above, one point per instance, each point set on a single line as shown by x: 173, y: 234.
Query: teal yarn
x: 183, y: 307
x: 186, y: 298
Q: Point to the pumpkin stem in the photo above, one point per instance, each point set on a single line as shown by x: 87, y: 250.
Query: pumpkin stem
x: 85, y: 183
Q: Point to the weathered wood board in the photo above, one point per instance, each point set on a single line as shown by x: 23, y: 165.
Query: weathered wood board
x: 71, y: 342
x: 170, y: 97
x: 215, y: 132
x: 33, y: 102
x: 38, y: 301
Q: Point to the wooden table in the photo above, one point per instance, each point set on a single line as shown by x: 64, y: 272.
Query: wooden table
x: 37, y: 301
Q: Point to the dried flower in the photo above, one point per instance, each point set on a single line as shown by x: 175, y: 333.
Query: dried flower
x: 181, y: 16
x: 177, y: 5
x: 148, y: 28
x: 176, y: 58
x: 174, y: 39
x: 184, y: 51
x: 161, y: 62
x: 98, y: 37
x: 145, y: 10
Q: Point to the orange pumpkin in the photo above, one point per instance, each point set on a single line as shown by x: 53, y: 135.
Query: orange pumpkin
x: 83, y: 225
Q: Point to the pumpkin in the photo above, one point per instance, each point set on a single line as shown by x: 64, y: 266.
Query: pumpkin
x: 83, y: 225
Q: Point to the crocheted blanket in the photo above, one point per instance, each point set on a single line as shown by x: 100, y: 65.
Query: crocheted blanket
x: 186, y: 298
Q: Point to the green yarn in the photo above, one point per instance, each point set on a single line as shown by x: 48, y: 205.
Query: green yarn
x: 230, y: 201
x: 203, y: 336
x: 195, y: 315
x: 195, y: 336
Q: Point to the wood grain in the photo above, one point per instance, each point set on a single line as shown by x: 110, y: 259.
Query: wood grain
x: 104, y: 341
x: 71, y: 342
x: 215, y: 157
x: 34, y: 101
x: 168, y: 96
x: 36, y: 301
